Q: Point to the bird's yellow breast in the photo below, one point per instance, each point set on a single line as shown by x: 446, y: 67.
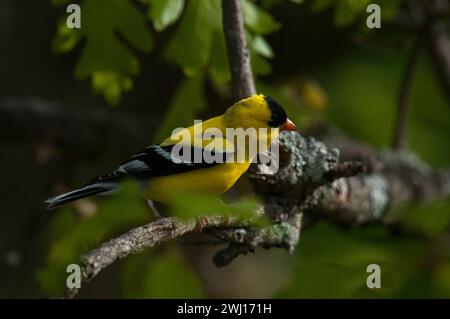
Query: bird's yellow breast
x: 219, y: 178
x: 215, y: 180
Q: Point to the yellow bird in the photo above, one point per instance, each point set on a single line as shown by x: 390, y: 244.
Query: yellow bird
x: 171, y: 165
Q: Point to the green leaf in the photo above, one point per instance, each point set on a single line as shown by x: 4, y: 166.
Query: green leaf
x: 219, y: 67
x: 259, y: 51
x: 164, y: 13
x: 260, y: 65
x: 188, y: 204
x: 72, y: 237
x: 104, y: 52
x: 163, y: 276
x: 199, y: 40
x: 186, y: 104
x: 257, y: 20
x: 111, y: 85
x: 66, y: 39
x: 191, y: 45
x: 261, y: 47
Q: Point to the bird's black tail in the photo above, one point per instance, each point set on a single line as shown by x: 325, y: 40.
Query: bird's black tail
x: 88, y: 190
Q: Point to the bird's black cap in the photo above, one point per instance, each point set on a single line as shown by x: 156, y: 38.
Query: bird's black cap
x: 278, y: 114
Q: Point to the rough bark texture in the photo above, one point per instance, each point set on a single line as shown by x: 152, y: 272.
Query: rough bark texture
x: 242, y: 84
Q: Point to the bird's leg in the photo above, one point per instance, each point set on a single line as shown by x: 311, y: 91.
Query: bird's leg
x: 153, y: 208
x: 200, y: 224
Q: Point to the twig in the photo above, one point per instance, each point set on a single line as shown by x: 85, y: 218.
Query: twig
x: 346, y: 169
x: 240, y: 234
x: 242, y: 82
x: 439, y: 45
x: 140, y: 238
x: 400, y: 139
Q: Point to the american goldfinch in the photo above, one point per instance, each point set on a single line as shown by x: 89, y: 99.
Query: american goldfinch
x: 161, y: 173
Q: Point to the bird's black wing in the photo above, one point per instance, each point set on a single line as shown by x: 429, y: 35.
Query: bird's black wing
x: 156, y: 160
x: 153, y: 161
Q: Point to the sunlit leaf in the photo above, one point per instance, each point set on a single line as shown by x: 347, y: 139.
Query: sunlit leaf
x: 66, y: 39
x: 111, y: 84
x: 257, y: 20
x: 261, y: 47
x: 190, y: 47
x: 164, y: 13
x: 194, y: 204
x: 104, y: 24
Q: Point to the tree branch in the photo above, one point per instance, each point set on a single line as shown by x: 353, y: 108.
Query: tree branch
x: 439, y: 45
x: 242, y: 82
x: 365, y: 198
x: 400, y: 139
x: 140, y: 238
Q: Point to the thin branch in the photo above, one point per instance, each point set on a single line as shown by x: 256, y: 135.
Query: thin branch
x: 439, y: 45
x: 240, y: 235
x: 242, y: 82
x: 140, y: 238
x: 400, y: 138
x: 364, y: 198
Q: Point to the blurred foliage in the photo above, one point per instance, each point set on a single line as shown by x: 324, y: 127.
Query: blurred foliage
x: 144, y: 276
x: 160, y: 276
x: 357, y: 90
x: 189, y: 93
x: 363, y: 88
x: 197, y: 45
x: 188, y: 205
x: 164, y: 13
x: 332, y: 263
x: 346, y: 12
x: 105, y: 57
x: 72, y: 234
x: 428, y: 220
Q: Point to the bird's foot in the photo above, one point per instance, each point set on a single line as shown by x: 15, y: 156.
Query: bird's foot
x: 200, y: 224
x: 152, y: 206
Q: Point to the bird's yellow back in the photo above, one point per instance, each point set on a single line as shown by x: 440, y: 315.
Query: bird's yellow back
x: 246, y: 115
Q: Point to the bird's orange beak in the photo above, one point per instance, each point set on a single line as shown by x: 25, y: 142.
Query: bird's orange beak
x: 288, y: 126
